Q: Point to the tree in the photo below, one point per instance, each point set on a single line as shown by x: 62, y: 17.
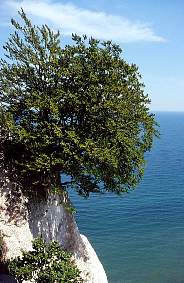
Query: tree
x: 78, y: 110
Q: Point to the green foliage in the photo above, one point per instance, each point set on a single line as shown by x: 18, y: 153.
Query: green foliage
x: 78, y: 110
x: 46, y: 263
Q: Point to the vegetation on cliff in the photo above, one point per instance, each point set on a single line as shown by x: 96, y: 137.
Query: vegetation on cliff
x: 78, y: 110
x: 45, y: 263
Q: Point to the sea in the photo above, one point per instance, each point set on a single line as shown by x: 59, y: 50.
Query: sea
x: 139, y: 236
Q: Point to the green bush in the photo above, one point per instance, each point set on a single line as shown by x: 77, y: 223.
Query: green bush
x: 46, y: 263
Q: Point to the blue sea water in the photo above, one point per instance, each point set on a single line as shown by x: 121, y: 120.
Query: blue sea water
x: 139, y: 237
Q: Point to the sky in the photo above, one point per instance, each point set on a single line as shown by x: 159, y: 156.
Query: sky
x: 150, y: 33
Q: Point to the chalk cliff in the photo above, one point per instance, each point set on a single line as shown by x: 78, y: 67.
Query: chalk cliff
x: 22, y: 220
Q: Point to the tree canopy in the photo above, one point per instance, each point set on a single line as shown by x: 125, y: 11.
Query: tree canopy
x: 77, y: 109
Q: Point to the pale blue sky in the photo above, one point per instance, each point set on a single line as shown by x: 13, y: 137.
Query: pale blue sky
x: 150, y: 33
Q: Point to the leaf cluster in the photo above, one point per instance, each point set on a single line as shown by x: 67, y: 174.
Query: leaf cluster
x: 46, y: 263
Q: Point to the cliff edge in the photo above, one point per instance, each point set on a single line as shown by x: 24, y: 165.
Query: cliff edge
x: 21, y: 220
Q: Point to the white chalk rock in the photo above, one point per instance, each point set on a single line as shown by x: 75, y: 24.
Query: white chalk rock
x: 91, y: 270
x: 22, y: 220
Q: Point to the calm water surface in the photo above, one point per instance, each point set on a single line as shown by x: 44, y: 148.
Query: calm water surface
x: 140, y: 237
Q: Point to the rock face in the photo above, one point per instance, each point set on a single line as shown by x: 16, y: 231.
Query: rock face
x: 22, y: 220
x: 92, y: 268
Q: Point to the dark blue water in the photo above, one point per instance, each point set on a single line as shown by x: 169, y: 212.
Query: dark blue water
x: 140, y: 237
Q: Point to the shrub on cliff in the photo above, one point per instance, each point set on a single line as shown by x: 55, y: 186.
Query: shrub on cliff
x: 46, y: 263
x: 78, y: 110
